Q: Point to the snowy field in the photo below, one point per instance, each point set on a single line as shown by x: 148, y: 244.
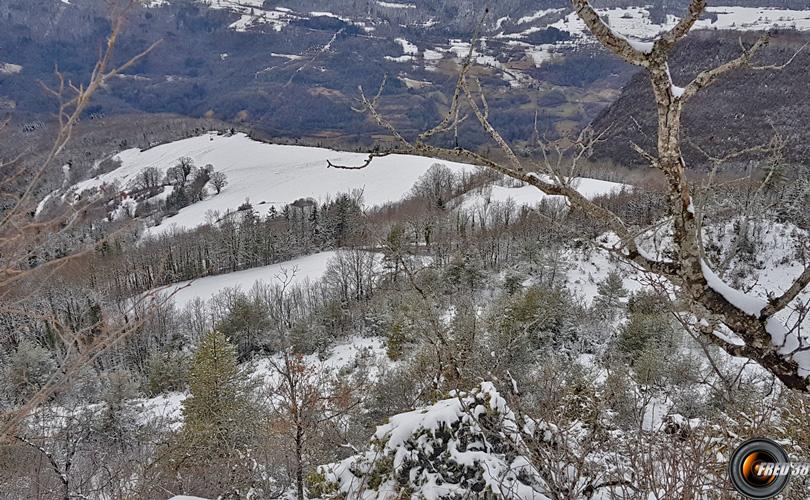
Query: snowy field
x: 273, y: 175
x: 309, y: 268
x: 530, y: 196
x: 270, y: 174
x: 635, y: 22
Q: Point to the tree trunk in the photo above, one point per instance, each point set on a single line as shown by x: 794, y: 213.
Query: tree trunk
x: 299, y: 461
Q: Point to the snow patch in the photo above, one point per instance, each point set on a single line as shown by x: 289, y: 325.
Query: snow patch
x: 309, y: 268
x: 407, y: 47
x: 392, y: 5
x: 537, y: 15
x: 10, y: 69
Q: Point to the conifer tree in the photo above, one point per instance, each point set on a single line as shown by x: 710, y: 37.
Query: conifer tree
x: 610, y: 295
x: 214, y: 451
x: 217, y: 413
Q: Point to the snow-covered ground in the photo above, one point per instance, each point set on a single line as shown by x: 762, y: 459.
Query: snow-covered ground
x: 270, y: 174
x: 342, y: 356
x: 636, y: 24
x: 528, y: 195
x: 273, y: 175
x: 588, y: 269
x: 167, y: 408
x: 309, y: 268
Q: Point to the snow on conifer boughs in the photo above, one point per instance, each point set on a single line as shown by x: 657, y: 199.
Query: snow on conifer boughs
x: 469, y: 443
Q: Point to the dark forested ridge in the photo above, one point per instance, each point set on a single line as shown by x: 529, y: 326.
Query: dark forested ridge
x: 300, y: 82
x: 280, y: 82
x: 745, y: 108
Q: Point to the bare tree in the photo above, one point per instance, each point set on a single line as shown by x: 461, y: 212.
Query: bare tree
x: 219, y: 181
x: 305, y: 398
x: 149, y: 179
x: 20, y: 232
x: 755, y: 331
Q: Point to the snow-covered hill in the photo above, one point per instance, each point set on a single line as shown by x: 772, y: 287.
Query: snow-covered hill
x: 269, y: 175
x: 273, y: 175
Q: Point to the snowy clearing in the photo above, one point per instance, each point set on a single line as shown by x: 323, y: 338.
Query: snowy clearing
x: 270, y: 174
x: 528, y: 195
x: 311, y: 268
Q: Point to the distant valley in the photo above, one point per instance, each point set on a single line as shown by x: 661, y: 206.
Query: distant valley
x: 292, y: 73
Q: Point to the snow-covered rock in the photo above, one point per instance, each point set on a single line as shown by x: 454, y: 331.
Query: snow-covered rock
x: 466, y: 444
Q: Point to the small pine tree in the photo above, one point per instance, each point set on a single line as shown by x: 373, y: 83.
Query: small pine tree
x: 247, y: 324
x: 396, y: 341
x: 217, y: 413
x: 166, y: 372
x: 118, y: 417
x: 649, y: 333
x: 27, y: 370
x: 610, y: 296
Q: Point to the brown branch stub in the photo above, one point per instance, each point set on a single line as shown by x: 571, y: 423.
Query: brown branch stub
x: 366, y: 162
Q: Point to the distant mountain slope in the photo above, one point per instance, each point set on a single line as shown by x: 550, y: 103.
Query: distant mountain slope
x: 739, y: 111
x: 292, y: 69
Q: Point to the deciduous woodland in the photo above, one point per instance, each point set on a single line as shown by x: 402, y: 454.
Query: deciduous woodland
x: 189, y: 308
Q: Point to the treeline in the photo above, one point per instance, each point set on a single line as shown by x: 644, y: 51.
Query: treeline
x: 232, y: 242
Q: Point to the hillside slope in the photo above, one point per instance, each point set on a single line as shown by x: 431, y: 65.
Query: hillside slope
x: 736, y: 113
x: 266, y: 175
x: 292, y: 69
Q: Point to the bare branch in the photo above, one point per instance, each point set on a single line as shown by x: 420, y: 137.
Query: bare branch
x: 708, y: 77
x: 365, y: 164
x: 777, y: 304
x: 606, y: 36
x: 671, y: 37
